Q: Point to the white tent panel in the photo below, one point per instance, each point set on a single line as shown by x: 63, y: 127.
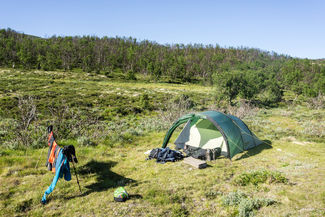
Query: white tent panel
x: 192, y: 137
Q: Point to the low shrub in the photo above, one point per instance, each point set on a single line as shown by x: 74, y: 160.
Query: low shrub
x: 212, y: 194
x: 85, y: 141
x: 257, y: 177
x: 245, y: 204
x: 233, y: 198
x: 243, y: 109
x: 317, y: 102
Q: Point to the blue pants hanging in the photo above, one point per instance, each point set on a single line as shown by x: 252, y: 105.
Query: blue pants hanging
x: 62, y: 167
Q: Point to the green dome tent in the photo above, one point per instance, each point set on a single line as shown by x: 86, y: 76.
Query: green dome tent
x: 212, y: 129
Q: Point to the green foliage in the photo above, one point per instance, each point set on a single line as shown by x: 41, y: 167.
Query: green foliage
x: 144, y: 101
x: 88, y: 109
x: 303, y: 77
x: 233, y: 198
x: 85, y: 141
x: 271, y: 94
x: 245, y: 204
x: 157, y: 196
x: 130, y: 75
x: 237, y: 72
x: 169, y: 189
x: 212, y: 194
x: 255, y: 86
x: 229, y: 85
x: 260, y: 176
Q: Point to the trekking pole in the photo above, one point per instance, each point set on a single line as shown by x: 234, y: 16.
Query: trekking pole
x: 75, y: 172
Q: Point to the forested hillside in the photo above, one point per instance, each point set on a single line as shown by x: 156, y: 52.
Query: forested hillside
x: 240, y: 72
x: 115, y: 98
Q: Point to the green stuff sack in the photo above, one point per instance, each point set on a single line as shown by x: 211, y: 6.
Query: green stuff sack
x: 120, y: 194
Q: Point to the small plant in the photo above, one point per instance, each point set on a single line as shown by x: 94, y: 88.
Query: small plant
x: 212, y: 194
x: 257, y: 177
x: 144, y: 101
x: 246, y: 207
x: 233, y: 198
x: 245, y: 204
x: 25, y: 129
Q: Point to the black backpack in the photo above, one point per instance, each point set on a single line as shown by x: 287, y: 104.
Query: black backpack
x: 203, y: 154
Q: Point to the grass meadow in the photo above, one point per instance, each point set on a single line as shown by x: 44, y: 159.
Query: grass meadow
x: 113, y: 122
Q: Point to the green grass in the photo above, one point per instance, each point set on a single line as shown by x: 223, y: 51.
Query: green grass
x: 295, y: 150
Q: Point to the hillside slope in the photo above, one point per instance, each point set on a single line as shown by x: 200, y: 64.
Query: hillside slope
x: 112, y: 123
x: 258, y: 72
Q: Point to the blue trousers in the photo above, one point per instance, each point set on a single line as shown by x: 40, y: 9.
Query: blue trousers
x: 62, y: 167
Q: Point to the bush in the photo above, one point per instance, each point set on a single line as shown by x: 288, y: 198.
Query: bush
x: 233, y: 198
x: 174, y: 108
x: 245, y: 204
x: 24, y: 130
x: 144, y: 102
x: 248, y: 205
x: 130, y: 75
x: 271, y: 94
x: 317, y: 102
x: 257, y: 177
x: 212, y: 194
x: 244, y: 109
x: 85, y: 141
x: 229, y: 85
x: 249, y: 85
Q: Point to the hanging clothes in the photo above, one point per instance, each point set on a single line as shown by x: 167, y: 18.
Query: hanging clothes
x: 62, y: 168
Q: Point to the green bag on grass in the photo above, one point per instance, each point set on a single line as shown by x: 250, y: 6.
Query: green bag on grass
x: 120, y: 194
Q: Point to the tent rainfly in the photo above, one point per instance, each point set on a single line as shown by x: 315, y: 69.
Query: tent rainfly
x: 213, y: 129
